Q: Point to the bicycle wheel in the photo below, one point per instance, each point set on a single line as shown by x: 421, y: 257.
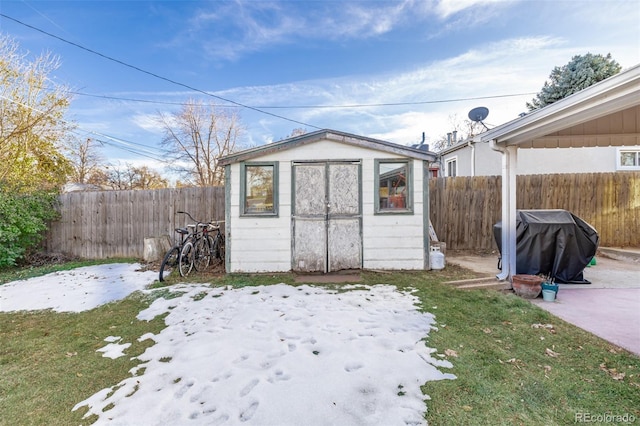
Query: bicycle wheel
x: 169, y: 261
x: 217, y: 255
x: 185, y: 264
x: 202, y: 254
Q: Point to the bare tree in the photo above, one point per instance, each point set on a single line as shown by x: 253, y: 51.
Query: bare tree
x: 463, y: 129
x: 85, y: 158
x: 145, y: 178
x: 197, y: 137
x: 298, y: 131
x: 118, y: 177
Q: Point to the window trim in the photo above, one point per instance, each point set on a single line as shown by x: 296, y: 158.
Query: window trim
x: 410, y: 186
x: 448, y: 161
x: 620, y: 166
x: 243, y: 188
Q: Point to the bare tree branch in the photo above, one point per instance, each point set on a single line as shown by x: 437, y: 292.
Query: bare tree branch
x: 197, y: 137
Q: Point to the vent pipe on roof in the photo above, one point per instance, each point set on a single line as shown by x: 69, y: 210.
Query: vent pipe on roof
x: 449, y: 139
x: 455, y: 136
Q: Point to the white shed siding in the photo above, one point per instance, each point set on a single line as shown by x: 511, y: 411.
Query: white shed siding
x: 263, y: 244
x: 259, y: 244
x: 392, y: 241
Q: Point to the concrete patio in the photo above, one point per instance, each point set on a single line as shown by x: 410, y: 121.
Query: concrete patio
x: 609, y: 307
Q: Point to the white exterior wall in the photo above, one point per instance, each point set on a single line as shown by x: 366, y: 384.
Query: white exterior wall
x: 533, y: 161
x: 264, y: 244
x: 568, y: 160
x: 391, y: 241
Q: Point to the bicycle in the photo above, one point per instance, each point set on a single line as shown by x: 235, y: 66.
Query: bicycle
x: 208, y: 245
x: 218, y: 249
x: 196, y: 248
x: 172, y: 257
x: 179, y: 256
x: 202, y: 246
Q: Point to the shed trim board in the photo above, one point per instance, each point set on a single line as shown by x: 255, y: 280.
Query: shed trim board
x: 618, y: 95
x: 426, y: 222
x: 227, y: 217
x: 390, y: 240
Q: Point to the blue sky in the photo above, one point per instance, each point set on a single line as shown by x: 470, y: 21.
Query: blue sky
x: 433, y: 57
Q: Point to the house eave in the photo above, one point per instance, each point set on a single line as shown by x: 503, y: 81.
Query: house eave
x: 458, y: 146
x: 332, y: 135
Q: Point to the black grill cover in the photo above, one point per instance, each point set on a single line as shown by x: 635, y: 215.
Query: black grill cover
x: 552, y: 242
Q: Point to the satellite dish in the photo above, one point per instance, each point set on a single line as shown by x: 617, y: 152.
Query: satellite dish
x: 478, y: 114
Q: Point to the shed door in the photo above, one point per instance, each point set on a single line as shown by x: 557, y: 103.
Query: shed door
x: 326, y: 217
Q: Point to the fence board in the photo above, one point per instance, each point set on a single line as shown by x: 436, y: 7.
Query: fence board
x: 105, y: 224
x: 464, y: 209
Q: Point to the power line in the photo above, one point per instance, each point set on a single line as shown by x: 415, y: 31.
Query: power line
x: 127, y: 146
x: 438, y: 101
x: 186, y: 86
x: 259, y: 109
x: 112, y: 140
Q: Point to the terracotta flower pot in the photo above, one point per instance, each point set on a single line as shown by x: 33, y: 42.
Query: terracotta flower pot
x: 527, y: 286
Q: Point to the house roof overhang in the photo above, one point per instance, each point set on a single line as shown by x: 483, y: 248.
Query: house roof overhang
x: 456, y: 147
x: 585, y: 118
x: 331, y: 135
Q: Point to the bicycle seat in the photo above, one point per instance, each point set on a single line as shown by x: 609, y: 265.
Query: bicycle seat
x: 182, y: 231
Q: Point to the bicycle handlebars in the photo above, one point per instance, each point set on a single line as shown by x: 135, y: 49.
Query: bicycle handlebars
x: 197, y: 221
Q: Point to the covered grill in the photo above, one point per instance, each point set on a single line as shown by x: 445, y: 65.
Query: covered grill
x: 552, y: 242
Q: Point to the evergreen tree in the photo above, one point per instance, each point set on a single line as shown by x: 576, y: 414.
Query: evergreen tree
x: 581, y: 72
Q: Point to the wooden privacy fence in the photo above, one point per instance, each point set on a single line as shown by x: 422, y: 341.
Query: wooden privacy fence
x: 98, y: 225
x: 464, y: 209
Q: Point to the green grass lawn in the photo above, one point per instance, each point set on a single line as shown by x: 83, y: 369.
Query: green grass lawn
x: 515, y: 363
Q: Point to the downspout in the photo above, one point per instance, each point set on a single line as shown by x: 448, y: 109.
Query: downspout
x: 508, y: 210
x: 473, y: 156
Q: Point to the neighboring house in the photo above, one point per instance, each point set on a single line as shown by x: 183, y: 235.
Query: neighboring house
x: 608, y: 143
x: 81, y: 187
x: 469, y: 158
x: 604, y: 116
x: 327, y: 201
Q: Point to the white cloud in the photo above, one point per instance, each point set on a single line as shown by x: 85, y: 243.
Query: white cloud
x: 233, y: 29
x: 148, y: 122
x: 502, y: 68
x: 447, y: 8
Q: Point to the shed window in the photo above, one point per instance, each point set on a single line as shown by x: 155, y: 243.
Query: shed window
x: 393, y: 186
x: 259, y: 196
x: 628, y: 159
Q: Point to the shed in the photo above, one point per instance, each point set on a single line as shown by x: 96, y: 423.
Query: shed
x: 327, y: 201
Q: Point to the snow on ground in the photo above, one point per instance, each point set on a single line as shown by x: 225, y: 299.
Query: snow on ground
x: 269, y: 355
x: 76, y: 290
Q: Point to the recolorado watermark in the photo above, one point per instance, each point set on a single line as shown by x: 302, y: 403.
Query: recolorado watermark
x: 585, y: 417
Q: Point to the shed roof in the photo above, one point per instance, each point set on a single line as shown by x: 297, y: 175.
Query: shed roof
x: 606, y: 113
x: 331, y: 135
